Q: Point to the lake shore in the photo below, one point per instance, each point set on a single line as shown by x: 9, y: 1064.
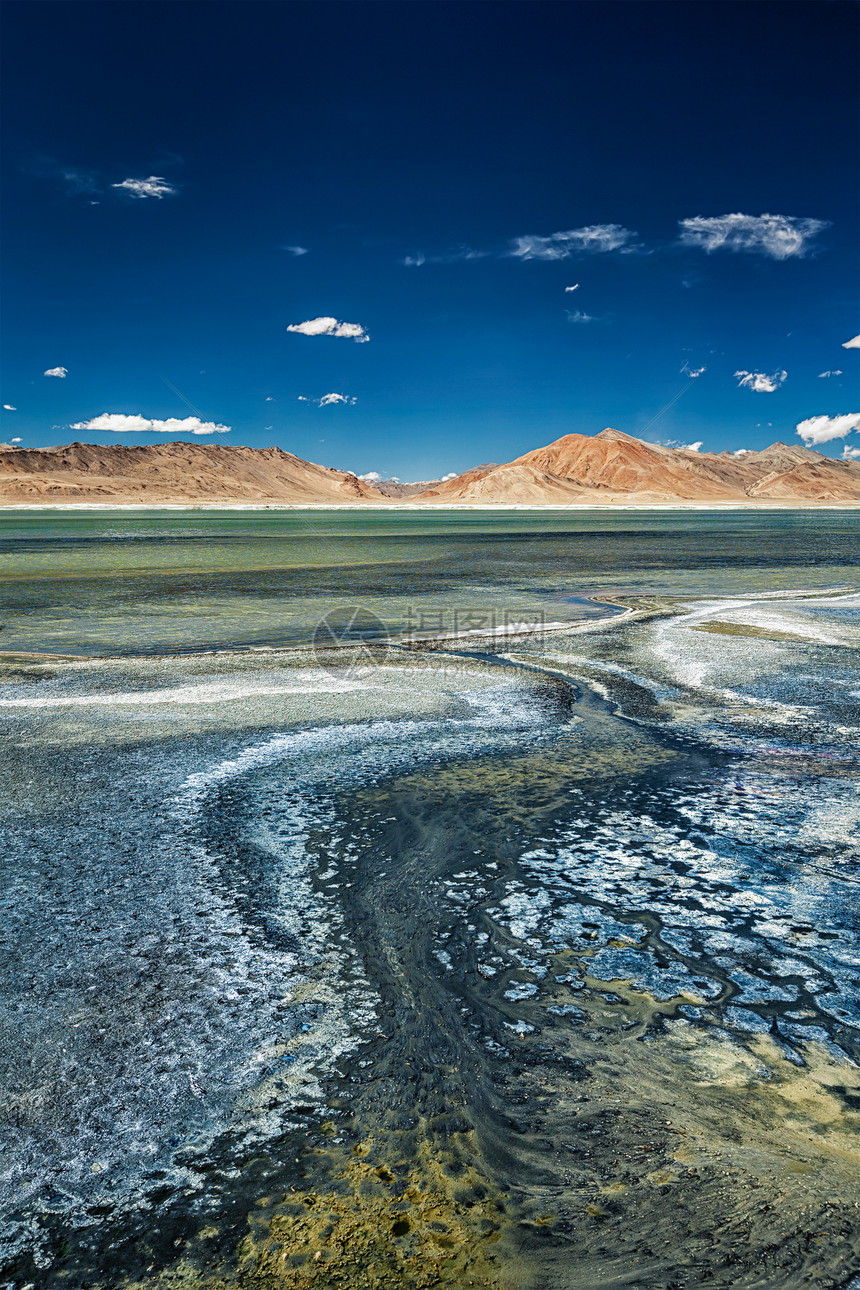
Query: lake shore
x: 70, y: 505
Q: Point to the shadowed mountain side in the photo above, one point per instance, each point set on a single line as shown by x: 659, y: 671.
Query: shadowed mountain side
x: 172, y: 472
x: 615, y: 467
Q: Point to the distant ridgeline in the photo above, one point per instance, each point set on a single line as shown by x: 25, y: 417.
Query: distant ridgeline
x: 608, y: 468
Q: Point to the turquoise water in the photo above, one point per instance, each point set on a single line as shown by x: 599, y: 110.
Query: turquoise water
x: 97, y: 583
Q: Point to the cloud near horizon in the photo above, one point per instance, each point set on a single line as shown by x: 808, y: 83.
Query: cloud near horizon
x: 848, y: 453
x: 594, y: 239
x: 761, y: 382
x: 121, y: 423
x: 60, y: 372
x: 778, y: 236
x: 154, y: 186
x: 325, y: 326
x: 824, y: 429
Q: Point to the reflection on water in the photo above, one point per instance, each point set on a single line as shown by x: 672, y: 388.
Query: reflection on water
x: 527, y: 968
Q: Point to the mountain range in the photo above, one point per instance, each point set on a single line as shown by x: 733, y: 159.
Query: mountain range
x: 610, y: 468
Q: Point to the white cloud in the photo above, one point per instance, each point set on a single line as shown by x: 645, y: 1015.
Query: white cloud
x: 853, y: 343
x: 328, y: 399
x: 330, y: 327
x: 14, y: 440
x: 836, y: 372
x: 154, y: 186
x: 415, y: 261
x: 742, y: 452
x: 577, y: 316
x: 7, y: 407
x: 60, y: 372
x: 692, y: 372
x: 336, y: 398
x: 779, y: 236
x: 575, y: 287
x: 269, y: 398
x: 596, y: 238
x: 848, y: 453
x: 120, y: 423
x: 676, y: 443
x: 372, y: 477
x: 823, y: 429
x: 452, y: 474
x: 761, y: 382
x: 295, y: 250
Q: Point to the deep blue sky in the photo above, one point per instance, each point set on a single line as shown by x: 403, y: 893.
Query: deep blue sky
x: 371, y: 133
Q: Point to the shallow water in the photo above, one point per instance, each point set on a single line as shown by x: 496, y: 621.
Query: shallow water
x: 97, y: 582
x: 503, y: 962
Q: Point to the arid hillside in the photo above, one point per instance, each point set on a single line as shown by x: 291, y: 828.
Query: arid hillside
x: 613, y: 467
x: 172, y: 472
x: 610, y: 468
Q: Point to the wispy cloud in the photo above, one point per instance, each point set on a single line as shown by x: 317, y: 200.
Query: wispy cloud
x: 692, y: 372
x: 8, y: 407
x: 577, y: 316
x: 837, y: 371
x: 853, y: 343
x: 154, y: 186
x: 595, y: 239
x: 75, y: 180
x: 328, y: 399
x: 121, y: 423
x: 848, y: 453
x: 330, y: 327
x: 761, y: 382
x: 270, y: 398
x: 295, y: 250
x: 78, y: 182
x: 445, y: 257
x: 60, y: 372
x: 778, y: 236
x: 824, y: 429
x: 575, y: 287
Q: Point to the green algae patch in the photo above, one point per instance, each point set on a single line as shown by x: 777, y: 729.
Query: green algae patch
x: 378, y: 1227
x: 718, y: 628
x: 363, y: 1226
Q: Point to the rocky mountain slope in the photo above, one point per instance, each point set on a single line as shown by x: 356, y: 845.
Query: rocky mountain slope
x: 172, y: 472
x: 615, y: 467
x: 606, y: 469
